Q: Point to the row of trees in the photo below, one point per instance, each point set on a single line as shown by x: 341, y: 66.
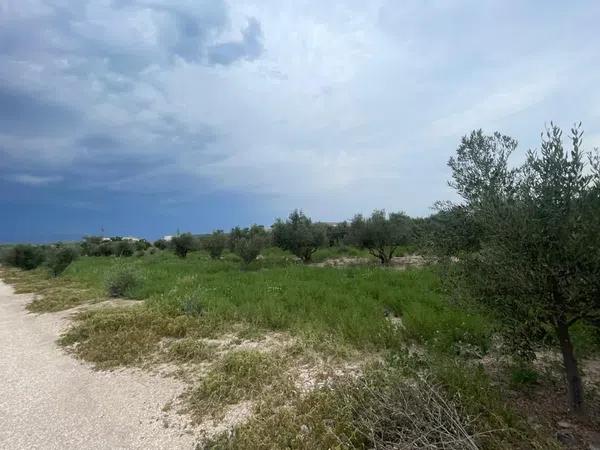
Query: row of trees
x: 381, y: 234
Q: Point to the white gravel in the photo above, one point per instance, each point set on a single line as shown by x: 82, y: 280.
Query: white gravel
x: 49, y: 400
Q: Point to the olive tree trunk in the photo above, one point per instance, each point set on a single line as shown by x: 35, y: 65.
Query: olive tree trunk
x: 574, y: 386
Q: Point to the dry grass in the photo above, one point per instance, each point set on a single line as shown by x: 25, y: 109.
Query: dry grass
x: 52, y: 293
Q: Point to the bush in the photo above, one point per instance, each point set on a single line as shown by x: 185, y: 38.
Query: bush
x: 60, y: 258
x: 161, y: 244
x: 24, y: 256
x: 123, y: 248
x: 215, y: 243
x: 183, y: 244
x: 122, y: 283
x: 299, y: 235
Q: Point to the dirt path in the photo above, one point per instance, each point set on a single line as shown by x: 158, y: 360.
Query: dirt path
x: 49, y: 400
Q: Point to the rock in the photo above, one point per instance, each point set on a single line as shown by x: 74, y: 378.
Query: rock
x: 564, y: 424
x: 565, y: 437
x: 304, y: 429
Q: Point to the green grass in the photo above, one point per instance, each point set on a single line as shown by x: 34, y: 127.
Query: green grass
x: 348, y: 306
x: 330, y: 312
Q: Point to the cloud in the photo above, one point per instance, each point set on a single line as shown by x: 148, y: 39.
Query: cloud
x: 332, y: 106
x: 34, y: 180
x: 249, y: 48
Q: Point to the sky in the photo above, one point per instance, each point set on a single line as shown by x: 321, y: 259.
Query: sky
x: 144, y: 117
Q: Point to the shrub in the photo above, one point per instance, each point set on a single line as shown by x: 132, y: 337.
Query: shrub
x: 60, y: 258
x: 299, y: 235
x: 161, y: 244
x: 141, y: 245
x: 183, y: 244
x: 24, y: 256
x: 215, y: 243
x: 123, y: 248
x: 122, y: 283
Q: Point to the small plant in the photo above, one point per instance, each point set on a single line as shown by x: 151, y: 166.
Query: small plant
x: 523, y: 375
x: 59, y: 259
x: 122, y: 283
x: 191, y: 306
x: 188, y: 349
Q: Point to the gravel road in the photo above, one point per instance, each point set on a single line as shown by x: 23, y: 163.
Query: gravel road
x: 49, y: 400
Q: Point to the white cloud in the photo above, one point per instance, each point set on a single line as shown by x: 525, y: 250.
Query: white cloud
x: 35, y: 180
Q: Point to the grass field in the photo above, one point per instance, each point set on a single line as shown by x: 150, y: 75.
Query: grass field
x: 326, y: 357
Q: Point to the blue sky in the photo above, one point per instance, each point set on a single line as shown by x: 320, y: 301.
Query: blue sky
x: 142, y: 117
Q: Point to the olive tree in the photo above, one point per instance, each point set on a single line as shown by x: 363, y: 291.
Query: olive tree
x: 183, y: 244
x: 249, y: 247
x: 381, y: 234
x: 538, y: 262
x: 299, y: 235
x: 215, y: 243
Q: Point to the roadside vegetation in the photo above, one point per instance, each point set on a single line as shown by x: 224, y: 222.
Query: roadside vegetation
x: 314, y: 335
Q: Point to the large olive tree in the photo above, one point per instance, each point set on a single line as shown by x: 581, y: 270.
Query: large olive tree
x: 538, y: 262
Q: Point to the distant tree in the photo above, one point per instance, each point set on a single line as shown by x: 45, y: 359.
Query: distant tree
x: 90, y: 245
x: 381, y: 235
x: 123, y: 248
x: 336, y: 234
x: 299, y: 235
x: 161, y: 244
x: 182, y: 244
x: 537, y: 262
x: 234, y: 236
x: 237, y: 233
x: 215, y: 243
x: 249, y: 247
x: 106, y: 248
x: 142, y: 245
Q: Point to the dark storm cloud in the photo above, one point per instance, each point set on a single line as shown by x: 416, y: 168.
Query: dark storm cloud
x: 29, y: 114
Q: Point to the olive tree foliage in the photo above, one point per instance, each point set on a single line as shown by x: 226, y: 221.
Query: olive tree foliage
x: 381, y: 234
x: 247, y: 243
x: 60, y: 257
x: 215, y: 243
x: 537, y: 262
x: 450, y: 231
x: 299, y: 235
x: 249, y: 247
x: 183, y: 244
x: 336, y: 234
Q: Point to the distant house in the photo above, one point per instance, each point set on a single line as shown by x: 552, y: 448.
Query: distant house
x: 167, y: 238
x: 131, y: 239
